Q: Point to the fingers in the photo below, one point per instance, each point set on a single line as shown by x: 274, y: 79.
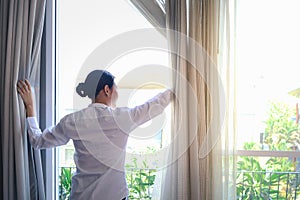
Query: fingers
x: 28, y: 84
x: 20, y: 91
x: 19, y: 86
x: 23, y: 86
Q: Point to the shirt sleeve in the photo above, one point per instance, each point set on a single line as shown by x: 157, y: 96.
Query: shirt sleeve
x: 50, y: 137
x: 134, y: 117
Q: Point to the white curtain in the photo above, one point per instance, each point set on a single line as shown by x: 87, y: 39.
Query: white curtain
x: 21, y: 24
x: 227, y: 69
x: 201, y: 159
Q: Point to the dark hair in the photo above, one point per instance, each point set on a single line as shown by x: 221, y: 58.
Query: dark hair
x: 94, y: 83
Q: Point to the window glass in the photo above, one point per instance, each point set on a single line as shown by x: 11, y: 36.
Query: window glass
x: 267, y: 71
x: 267, y: 165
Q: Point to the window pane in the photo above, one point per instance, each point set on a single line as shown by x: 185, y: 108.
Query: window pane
x: 267, y: 62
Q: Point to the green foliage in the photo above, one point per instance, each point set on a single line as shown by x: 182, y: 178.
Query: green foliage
x: 251, y: 146
x: 271, y: 178
x: 282, y: 133
x: 65, y: 183
x: 247, y: 181
x: 255, y: 182
x: 139, y: 176
x: 140, y: 181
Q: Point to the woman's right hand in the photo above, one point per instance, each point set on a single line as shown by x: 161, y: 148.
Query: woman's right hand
x: 24, y: 89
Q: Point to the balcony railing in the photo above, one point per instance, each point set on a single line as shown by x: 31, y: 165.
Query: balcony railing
x: 268, y: 185
x: 140, y: 182
x: 250, y: 184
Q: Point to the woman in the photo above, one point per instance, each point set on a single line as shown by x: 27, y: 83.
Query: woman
x: 99, y: 133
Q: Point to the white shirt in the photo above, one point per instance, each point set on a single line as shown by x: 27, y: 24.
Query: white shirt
x: 99, y: 135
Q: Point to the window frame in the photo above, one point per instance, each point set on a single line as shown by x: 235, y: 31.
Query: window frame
x: 47, y: 96
x: 264, y: 153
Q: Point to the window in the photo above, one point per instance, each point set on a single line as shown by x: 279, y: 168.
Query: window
x: 267, y: 61
x: 82, y: 27
x: 267, y: 64
x: 47, y: 98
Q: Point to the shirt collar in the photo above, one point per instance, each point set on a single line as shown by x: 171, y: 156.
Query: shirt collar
x: 98, y: 105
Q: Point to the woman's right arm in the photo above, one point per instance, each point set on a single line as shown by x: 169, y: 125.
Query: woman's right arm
x: 50, y: 137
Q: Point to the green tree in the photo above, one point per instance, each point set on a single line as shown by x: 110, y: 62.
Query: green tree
x: 281, y: 132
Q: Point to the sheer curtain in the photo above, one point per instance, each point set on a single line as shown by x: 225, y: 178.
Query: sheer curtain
x: 227, y: 67
x: 201, y: 159
x: 21, y: 25
x: 197, y: 172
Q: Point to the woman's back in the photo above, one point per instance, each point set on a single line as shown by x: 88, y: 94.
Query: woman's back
x: 98, y: 138
x: 100, y: 147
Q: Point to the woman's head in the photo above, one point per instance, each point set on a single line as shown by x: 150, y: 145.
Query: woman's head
x: 98, y: 82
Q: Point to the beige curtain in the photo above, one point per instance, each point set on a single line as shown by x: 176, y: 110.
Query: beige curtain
x: 21, y: 25
x: 202, y: 153
x: 204, y: 78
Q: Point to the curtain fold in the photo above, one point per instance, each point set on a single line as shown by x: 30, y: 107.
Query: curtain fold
x: 227, y: 63
x: 206, y: 169
x: 203, y: 28
x: 20, y: 42
x: 177, y: 173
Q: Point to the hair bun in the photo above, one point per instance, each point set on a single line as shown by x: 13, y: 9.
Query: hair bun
x: 80, y: 89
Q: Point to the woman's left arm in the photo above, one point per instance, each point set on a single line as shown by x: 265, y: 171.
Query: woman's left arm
x: 153, y: 107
